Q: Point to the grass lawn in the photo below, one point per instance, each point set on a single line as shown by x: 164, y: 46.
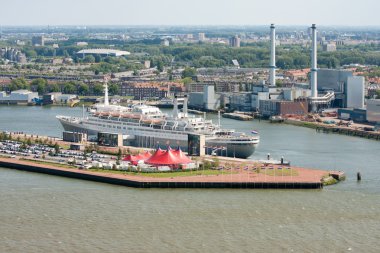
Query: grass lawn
x: 279, y: 172
x: 167, y: 174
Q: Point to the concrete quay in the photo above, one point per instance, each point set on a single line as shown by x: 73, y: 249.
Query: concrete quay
x: 243, y: 178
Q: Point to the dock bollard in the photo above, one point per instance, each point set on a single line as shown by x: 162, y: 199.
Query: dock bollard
x: 358, y: 176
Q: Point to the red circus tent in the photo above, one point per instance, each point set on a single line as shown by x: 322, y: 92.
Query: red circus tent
x: 168, y: 157
x: 181, y: 156
x: 135, y: 158
x: 146, y: 155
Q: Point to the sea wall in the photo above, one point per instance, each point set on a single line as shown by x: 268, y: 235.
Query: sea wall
x: 84, y: 175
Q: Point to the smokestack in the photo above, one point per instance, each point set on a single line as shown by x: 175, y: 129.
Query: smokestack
x: 272, y: 63
x: 313, y: 79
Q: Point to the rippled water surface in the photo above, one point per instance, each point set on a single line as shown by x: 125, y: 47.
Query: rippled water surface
x: 41, y: 213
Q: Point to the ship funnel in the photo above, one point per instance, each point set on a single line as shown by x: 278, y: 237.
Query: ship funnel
x: 185, y: 106
x: 175, y: 107
x: 106, y: 101
x: 272, y: 62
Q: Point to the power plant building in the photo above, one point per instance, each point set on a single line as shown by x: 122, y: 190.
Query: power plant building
x: 333, y: 79
x: 355, y: 92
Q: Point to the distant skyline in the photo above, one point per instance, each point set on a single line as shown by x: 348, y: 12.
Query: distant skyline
x: 195, y: 12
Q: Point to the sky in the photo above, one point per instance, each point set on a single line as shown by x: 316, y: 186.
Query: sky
x: 189, y: 12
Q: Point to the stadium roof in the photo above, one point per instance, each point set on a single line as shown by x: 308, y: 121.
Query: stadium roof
x: 104, y: 51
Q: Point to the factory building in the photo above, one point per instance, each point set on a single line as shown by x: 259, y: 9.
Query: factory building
x: 333, y: 79
x: 271, y: 107
x: 18, y: 97
x: 356, y: 115
x: 57, y: 97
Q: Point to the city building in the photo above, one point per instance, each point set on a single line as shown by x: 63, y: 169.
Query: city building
x: 373, y: 111
x: 241, y: 101
x: 234, y: 41
x: 149, y: 90
x: 147, y: 64
x: 165, y: 42
x: 297, y: 74
x: 208, y: 100
x: 38, y: 41
x: 329, y: 47
x: 12, y: 54
x: 201, y: 36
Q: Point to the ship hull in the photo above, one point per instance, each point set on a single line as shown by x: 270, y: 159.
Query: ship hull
x: 213, y: 145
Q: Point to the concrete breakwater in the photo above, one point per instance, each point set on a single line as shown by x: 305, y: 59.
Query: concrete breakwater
x: 319, y: 127
x: 237, y: 116
x: 306, y: 179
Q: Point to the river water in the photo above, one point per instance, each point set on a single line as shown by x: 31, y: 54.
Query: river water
x: 42, y: 213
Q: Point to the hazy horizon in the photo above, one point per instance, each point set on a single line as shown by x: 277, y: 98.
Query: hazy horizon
x: 194, y: 13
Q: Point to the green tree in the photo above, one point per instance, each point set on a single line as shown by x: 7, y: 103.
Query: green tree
x: 188, y: 72
x: 30, y: 53
x: 83, y: 89
x: 113, y: 89
x: 19, y: 83
x: 54, y: 87
x: 160, y: 66
x: 56, y: 148
x: 97, y: 89
x: 89, y: 59
x: 69, y: 88
x: 186, y: 80
x: 40, y: 85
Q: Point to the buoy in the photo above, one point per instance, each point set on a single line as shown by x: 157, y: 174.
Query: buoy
x: 358, y: 176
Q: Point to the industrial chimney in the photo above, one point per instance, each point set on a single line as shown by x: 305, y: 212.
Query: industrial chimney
x: 313, y: 78
x: 272, y: 63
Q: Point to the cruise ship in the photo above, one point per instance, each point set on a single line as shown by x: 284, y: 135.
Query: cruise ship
x: 147, y: 126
